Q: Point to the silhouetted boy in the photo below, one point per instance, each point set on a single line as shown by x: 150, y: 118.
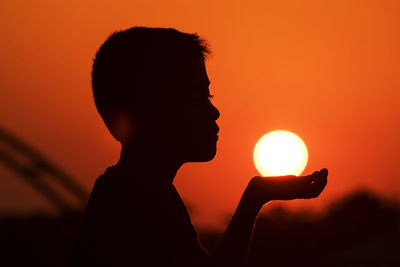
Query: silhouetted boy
x: 151, y: 88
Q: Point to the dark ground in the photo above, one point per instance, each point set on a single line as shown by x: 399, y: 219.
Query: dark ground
x: 359, y: 230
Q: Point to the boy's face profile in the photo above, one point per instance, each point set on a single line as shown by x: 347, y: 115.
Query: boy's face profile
x: 187, y: 123
x: 199, y: 116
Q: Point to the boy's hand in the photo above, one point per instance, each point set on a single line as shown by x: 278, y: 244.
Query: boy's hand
x: 260, y: 189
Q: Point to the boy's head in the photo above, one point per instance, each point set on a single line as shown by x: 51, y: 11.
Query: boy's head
x: 150, y: 85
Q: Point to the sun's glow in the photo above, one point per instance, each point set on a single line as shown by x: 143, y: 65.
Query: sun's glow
x: 280, y: 153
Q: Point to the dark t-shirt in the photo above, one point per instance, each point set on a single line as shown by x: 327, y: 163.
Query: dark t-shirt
x: 137, y: 221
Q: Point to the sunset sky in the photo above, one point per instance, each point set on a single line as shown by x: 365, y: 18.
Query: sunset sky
x: 325, y: 70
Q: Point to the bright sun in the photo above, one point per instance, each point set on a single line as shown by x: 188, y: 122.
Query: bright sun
x: 280, y: 153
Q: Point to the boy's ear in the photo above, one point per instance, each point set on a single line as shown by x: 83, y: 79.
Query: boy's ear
x: 121, y: 126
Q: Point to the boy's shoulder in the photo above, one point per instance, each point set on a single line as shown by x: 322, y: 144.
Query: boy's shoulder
x: 124, y: 187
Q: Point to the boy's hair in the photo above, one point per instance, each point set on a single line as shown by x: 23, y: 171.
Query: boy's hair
x: 140, y: 63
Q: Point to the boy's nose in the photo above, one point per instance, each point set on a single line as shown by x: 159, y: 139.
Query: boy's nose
x: 215, y: 112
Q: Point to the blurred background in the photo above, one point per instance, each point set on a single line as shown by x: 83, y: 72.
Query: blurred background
x: 325, y: 70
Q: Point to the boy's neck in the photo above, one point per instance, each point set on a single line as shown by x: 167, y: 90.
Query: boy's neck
x: 147, y: 160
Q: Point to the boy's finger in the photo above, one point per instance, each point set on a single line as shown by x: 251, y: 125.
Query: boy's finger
x: 324, y: 172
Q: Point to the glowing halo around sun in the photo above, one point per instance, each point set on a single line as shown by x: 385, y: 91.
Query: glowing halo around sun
x: 280, y: 153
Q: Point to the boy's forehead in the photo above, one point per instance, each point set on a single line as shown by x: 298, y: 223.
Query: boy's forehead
x: 194, y: 75
x: 195, y: 69
x: 187, y: 80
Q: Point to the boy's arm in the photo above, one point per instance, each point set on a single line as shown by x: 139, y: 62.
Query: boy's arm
x: 233, y: 246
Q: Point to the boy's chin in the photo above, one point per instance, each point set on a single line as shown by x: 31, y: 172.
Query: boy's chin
x: 203, y: 156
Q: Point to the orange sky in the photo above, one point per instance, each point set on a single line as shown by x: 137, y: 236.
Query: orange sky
x: 326, y: 70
